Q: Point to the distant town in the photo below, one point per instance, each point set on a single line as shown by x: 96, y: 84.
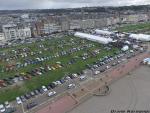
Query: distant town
x: 21, y: 24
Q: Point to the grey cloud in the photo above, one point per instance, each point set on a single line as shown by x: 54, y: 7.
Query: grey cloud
x: 44, y: 4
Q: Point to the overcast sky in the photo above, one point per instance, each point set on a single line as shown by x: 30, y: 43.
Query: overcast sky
x: 48, y: 4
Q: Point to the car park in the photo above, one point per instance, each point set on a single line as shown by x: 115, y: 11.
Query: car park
x: 41, y: 59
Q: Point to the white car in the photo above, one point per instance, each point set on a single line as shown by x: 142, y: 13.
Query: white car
x: 68, y: 78
x: 83, y: 77
x: 7, y: 105
x: 55, y: 83
x: 75, y: 75
x: 39, y: 73
x: 2, y: 108
x: 58, y: 82
x: 51, y: 93
x: 44, y: 88
x: 49, y: 68
x: 18, y: 100
x: 71, y: 86
x: 107, y: 67
x: 96, y: 72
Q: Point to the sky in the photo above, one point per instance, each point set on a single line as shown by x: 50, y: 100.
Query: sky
x: 55, y: 4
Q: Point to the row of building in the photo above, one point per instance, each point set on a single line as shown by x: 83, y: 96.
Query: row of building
x: 47, y: 25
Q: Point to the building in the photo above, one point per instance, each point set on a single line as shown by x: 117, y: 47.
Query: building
x: 88, y: 23
x: 51, y: 28
x: 65, y: 25
x: 2, y: 36
x: 24, y: 33
x: 75, y: 24
x: 134, y: 18
x: 13, y: 31
x: 37, y: 28
x: 99, y: 23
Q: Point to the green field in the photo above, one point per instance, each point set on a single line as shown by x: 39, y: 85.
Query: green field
x: 54, y: 46
x: 135, y: 28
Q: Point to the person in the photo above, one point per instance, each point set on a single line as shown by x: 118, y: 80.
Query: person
x: 99, y: 89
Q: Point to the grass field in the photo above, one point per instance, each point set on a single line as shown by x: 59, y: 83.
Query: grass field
x: 139, y: 27
x: 55, y: 46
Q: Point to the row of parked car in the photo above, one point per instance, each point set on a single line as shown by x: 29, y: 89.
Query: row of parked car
x: 7, y: 108
x: 28, y: 75
x: 106, y: 60
x: 38, y: 60
x: 35, y: 72
x: 50, y: 86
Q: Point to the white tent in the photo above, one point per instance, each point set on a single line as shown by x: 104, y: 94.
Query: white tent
x: 99, y: 39
x: 103, y: 32
x: 142, y: 37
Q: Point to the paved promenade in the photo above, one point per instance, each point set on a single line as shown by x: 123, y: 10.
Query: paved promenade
x: 74, y: 99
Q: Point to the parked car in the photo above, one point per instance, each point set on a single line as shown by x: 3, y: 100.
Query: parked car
x: 23, y: 98
x: 51, y: 93
x: 107, y: 67
x: 7, y: 105
x: 32, y: 93
x: 10, y: 110
x: 62, y: 81
x: 71, y: 86
x: 44, y: 88
x: 83, y: 77
x: 52, y: 85
x: 27, y: 96
x: 49, y: 87
x: 31, y: 105
x: 18, y: 100
x: 96, y: 72
x: 2, y: 108
x: 41, y: 90
x: 36, y: 92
